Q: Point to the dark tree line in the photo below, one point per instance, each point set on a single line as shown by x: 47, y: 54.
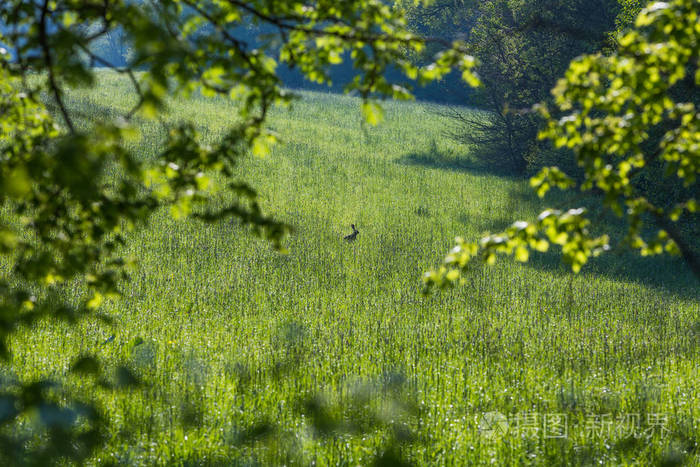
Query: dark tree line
x: 522, y: 49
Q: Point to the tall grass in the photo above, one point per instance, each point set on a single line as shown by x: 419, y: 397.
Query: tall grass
x: 236, y: 341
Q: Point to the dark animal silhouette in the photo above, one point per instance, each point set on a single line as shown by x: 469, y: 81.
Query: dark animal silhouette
x: 353, y: 235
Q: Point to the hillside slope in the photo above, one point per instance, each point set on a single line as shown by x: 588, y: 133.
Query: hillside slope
x: 330, y: 354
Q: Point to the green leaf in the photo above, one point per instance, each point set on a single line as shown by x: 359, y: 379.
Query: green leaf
x: 541, y: 245
x: 372, y: 112
x: 18, y: 183
x: 95, y: 301
x: 522, y: 254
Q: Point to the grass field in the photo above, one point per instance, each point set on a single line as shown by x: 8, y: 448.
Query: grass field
x: 331, y: 355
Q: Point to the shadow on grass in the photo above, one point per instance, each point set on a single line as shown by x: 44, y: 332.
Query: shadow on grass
x: 448, y: 160
x: 664, y: 273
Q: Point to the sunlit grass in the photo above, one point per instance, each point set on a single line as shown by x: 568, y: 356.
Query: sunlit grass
x: 236, y: 335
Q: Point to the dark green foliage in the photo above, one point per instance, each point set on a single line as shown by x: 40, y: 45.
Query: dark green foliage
x: 67, y: 431
x: 522, y: 48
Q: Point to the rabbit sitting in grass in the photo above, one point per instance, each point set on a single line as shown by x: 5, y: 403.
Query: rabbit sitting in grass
x: 353, y: 235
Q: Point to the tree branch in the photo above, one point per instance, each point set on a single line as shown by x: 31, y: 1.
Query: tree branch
x: 48, y: 59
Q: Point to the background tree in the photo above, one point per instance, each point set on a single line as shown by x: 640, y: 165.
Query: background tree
x: 613, y: 107
x: 522, y: 48
x: 72, y: 190
x: 448, y: 20
x: 629, y: 9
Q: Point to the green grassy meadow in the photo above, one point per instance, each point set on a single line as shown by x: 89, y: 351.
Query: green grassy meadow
x: 330, y: 354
